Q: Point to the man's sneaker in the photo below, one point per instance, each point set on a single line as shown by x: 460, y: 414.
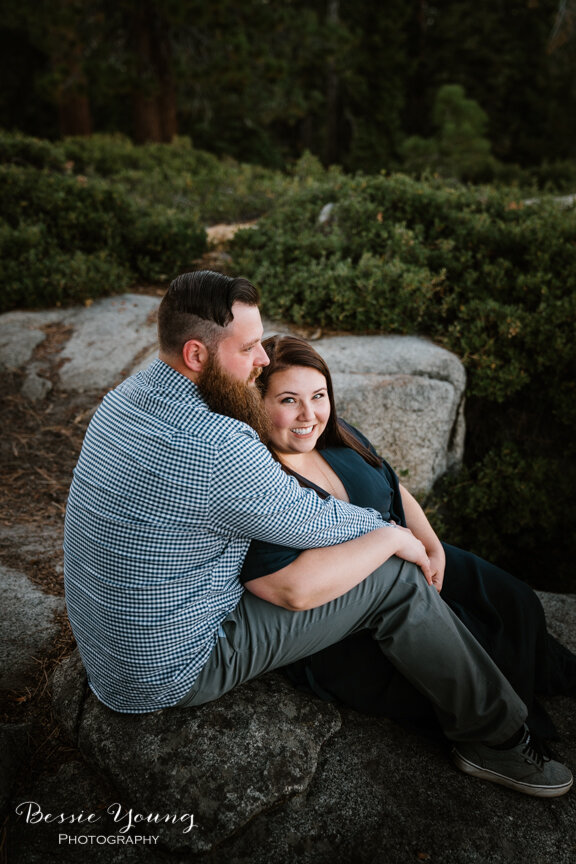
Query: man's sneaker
x: 527, y: 767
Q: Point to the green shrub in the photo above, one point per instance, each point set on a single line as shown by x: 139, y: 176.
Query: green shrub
x: 110, y: 155
x: 472, y: 268
x: 482, y: 274
x: 161, y: 243
x: 77, y: 213
x: 120, y: 212
x: 67, y: 238
x: 554, y: 177
x: 18, y: 149
x: 177, y: 176
x: 34, y: 272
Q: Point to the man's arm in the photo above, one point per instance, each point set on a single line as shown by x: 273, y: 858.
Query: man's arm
x: 252, y: 496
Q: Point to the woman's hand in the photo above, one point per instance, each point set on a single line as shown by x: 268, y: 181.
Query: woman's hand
x: 419, y: 524
x: 437, y: 558
x: 410, y: 548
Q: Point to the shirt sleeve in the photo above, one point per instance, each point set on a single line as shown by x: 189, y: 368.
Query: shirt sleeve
x: 250, y: 495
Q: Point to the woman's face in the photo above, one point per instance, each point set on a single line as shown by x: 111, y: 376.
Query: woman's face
x: 298, y: 406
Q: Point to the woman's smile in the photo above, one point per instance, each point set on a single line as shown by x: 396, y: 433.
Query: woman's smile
x: 303, y: 431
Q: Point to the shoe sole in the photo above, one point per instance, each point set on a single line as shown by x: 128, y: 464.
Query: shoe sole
x: 527, y: 788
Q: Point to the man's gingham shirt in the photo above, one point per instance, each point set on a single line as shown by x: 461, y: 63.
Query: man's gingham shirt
x: 165, y: 499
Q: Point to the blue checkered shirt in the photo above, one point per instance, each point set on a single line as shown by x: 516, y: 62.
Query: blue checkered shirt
x: 165, y: 499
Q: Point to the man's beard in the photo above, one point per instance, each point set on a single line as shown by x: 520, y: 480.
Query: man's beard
x: 233, y: 398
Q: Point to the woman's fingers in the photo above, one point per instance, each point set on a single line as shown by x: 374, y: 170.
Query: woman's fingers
x: 426, y: 568
x: 414, y: 550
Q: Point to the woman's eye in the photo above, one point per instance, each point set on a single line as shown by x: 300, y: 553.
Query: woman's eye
x: 287, y: 400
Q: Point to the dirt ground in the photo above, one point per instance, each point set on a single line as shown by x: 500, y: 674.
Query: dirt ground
x: 39, y: 447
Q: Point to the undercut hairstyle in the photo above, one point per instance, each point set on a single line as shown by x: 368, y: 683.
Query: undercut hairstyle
x: 287, y: 351
x: 199, y: 306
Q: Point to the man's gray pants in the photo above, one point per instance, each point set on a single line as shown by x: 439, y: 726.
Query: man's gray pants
x: 414, y: 628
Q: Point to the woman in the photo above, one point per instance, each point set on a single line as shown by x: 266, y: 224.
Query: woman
x: 329, y: 456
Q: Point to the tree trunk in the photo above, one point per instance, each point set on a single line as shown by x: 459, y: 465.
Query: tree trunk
x: 332, y: 149
x: 167, y: 110
x: 166, y: 88
x: 146, y: 122
x: 154, y: 100
x: 74, y: 114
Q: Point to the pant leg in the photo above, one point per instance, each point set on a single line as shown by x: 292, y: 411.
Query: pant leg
x: 507, y: 618
x: 412, y: 626
x: 503, y: 613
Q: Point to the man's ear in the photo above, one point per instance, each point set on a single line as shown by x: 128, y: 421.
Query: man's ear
x: 194, y: 354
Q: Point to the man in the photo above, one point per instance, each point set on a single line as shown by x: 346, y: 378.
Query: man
x: 172, y: 483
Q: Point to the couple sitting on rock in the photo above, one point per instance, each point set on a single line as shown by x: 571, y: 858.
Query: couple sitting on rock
x: 222, y: 523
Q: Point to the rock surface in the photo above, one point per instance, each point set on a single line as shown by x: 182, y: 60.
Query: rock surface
x: 99, y: 344
x: 380, y: 795
x: 405, y: 393
x: 13, y: 750
x: 29, y: 628
x: 228, y: 761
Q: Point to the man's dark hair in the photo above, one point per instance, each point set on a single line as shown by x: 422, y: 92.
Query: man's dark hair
x: 198, y: 306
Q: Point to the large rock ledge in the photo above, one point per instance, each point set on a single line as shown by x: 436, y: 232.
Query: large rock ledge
x: 404, y: 392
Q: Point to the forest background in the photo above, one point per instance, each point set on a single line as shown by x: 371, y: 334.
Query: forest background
x: 443, y: 137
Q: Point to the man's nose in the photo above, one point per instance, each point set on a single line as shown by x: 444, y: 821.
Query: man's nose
x: 261, y: 357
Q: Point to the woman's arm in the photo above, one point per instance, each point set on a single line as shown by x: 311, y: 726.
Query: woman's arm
x: 420, y: 526
x: 320, y: 575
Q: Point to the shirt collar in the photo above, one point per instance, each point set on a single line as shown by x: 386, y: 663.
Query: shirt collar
x: 161, y: 375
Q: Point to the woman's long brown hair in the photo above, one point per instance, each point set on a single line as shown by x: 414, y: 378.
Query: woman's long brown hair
x: 287, y: 351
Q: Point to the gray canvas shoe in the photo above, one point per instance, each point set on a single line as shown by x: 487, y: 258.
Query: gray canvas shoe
x: 526, y: 767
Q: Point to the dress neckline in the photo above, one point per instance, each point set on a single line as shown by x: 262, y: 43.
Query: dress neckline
x: 319, y: 489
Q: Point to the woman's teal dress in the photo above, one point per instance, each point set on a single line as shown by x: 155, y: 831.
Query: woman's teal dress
x: 503, y: 613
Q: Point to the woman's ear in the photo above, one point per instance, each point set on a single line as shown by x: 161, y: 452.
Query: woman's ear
x: 194, y: 354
